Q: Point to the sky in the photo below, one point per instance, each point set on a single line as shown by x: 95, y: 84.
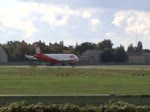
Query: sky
x: 124, y: 22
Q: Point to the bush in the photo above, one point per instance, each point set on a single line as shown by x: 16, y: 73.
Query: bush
x: 40, y: 107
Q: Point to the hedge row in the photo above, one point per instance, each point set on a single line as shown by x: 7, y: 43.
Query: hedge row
x: 109, y: 107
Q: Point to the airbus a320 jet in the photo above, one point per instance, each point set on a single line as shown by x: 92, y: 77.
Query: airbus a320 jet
x: 53, y: 58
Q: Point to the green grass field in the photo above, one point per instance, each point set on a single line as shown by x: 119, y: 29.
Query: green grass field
x: 92, y: 80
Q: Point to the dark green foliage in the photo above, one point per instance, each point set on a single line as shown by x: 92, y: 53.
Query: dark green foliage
x: 108, y: 107
x: 116, y: 55
x: 131, y: 48
x: 16, y: 50
x: 85, y: 46
x: 138, y: 48
x: 120, y: 54
x: 105, y: 44
x: 106, y: 55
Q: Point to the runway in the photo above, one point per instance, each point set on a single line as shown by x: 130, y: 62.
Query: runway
x: 124, y: 67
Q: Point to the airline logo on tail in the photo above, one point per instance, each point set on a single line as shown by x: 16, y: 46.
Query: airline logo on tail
x: 37, y: 48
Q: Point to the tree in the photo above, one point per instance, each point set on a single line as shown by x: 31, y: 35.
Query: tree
x: 105, y: 44
x: 20, y: 51
x: 9, y: 48
x: 120, y: 54
x: 131, y: 48
x: 70, y: 49
x: 8, y: 51
x: 139, y: 47
x: 85, y: 46
x: 106, y: 55
x: 56, y: 47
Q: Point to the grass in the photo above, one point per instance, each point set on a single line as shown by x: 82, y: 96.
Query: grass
x: 74, y: 81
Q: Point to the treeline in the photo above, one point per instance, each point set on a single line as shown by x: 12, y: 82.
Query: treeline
x: 40, y: 107
x: 15, y: 49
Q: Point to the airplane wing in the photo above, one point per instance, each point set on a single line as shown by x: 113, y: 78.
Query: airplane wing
x: 30, y: 57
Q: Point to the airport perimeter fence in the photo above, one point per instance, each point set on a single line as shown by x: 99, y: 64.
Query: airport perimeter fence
x: 78, y: 100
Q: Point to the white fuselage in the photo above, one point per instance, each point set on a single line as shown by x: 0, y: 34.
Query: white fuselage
x: 63, y: 57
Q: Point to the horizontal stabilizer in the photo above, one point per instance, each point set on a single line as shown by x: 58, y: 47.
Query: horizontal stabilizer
x: 30, y: 57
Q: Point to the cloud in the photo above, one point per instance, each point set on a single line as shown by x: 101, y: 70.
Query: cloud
x: 56, y: 22
x: 120, y: 17
x: 1, y: 28
x: 25, y: 18
x: 133, y: 21
x: 95, y: 22
x: 111, y: 4
x: 87, y: 14
x: 110, y: 34
x: 17, y: 19
x: 55, y: 15
x: 59, y: 16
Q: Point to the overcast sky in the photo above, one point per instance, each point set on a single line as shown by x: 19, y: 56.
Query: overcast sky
x: 76, y: 21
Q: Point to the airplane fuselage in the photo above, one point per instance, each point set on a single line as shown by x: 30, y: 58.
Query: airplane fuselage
x: 56, y: 58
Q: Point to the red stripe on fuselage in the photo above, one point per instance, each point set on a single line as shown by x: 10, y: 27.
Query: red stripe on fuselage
x: 43, y: 57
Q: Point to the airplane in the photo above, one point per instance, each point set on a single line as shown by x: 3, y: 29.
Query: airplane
x: 53, y: 58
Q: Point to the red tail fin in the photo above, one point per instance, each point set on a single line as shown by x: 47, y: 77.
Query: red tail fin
x: 37, y: 48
